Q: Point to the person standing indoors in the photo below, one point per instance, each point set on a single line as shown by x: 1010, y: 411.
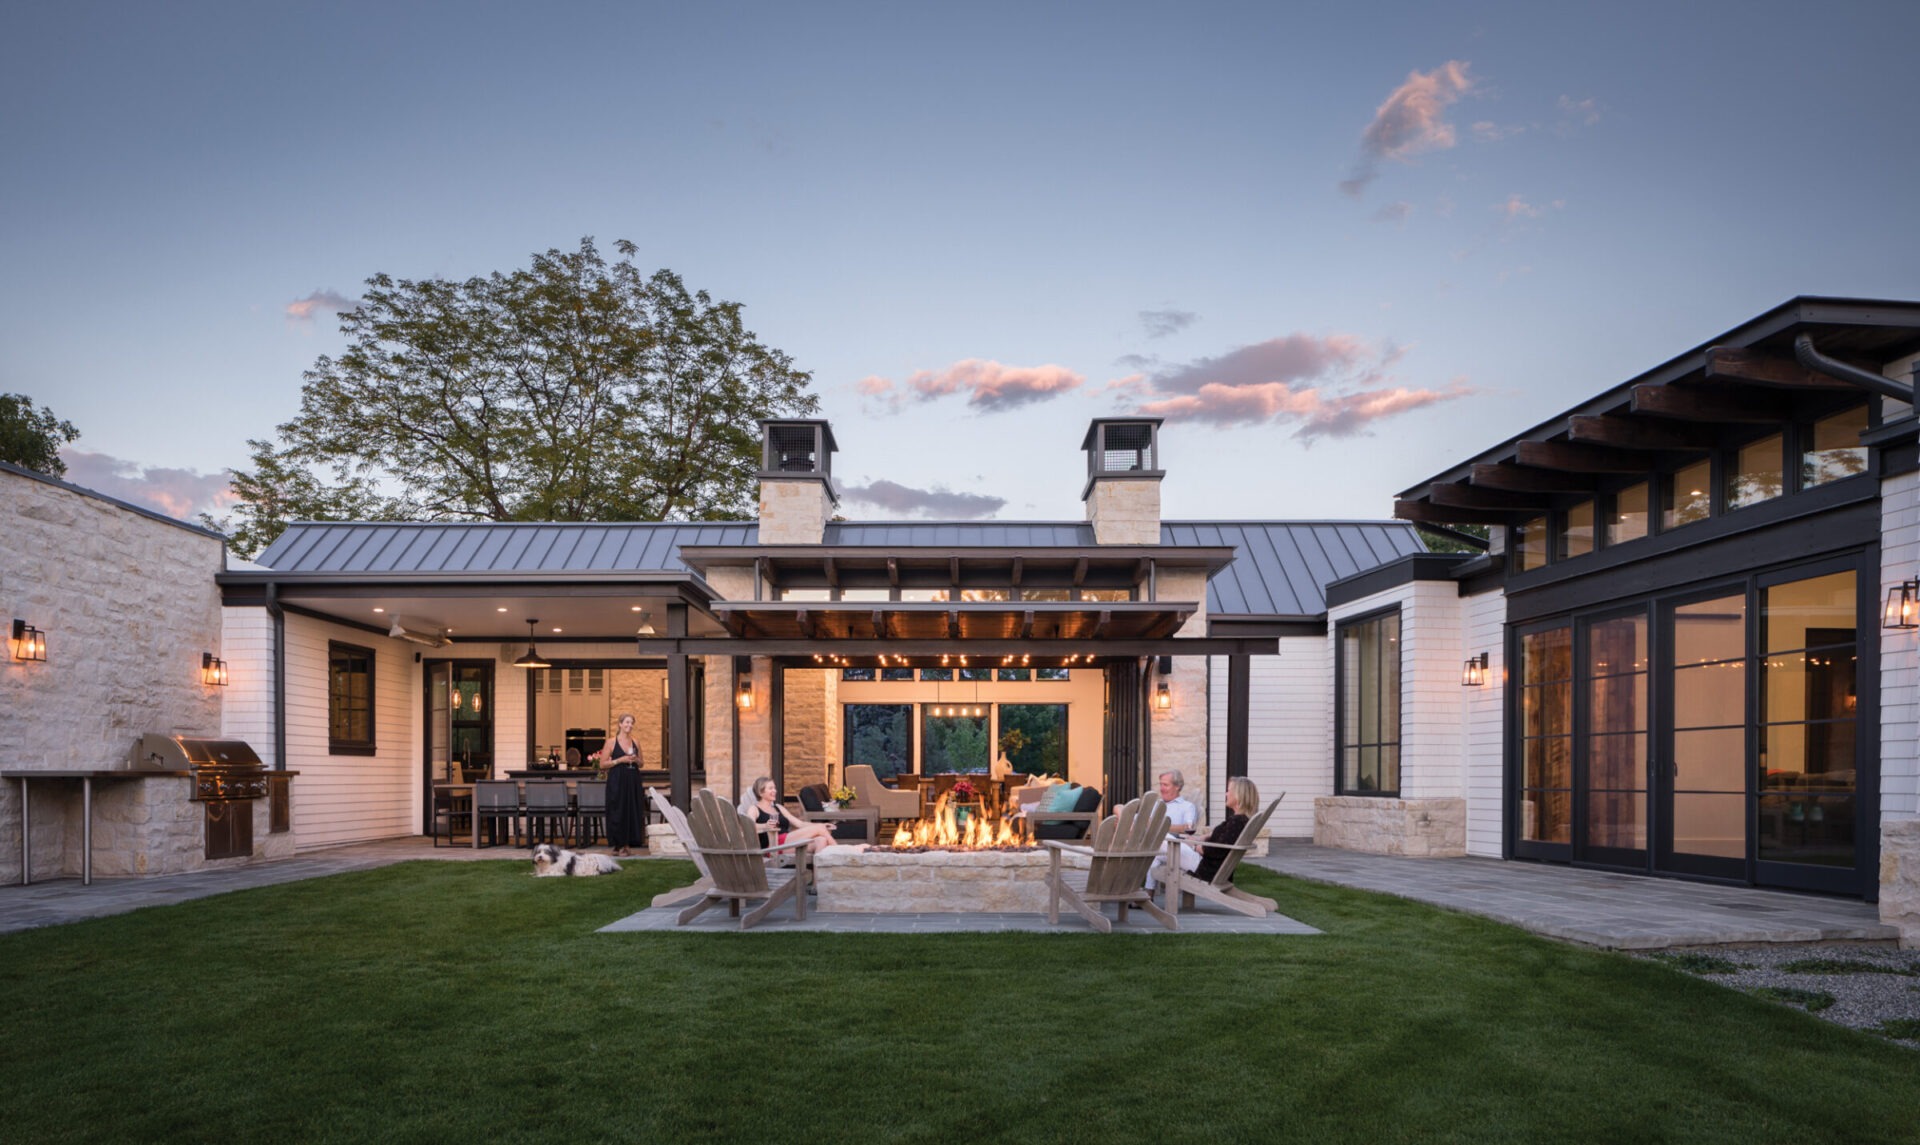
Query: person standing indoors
x: 626, y: 798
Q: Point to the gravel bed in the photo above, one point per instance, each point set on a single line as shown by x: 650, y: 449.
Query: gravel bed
x: 1862, y: 999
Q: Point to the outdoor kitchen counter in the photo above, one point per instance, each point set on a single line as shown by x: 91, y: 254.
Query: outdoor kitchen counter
x: 86, y: 778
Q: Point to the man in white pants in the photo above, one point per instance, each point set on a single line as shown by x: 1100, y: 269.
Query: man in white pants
x: 1182, y: 816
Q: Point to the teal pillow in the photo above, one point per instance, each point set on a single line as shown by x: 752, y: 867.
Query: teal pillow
x: 1060, y: 797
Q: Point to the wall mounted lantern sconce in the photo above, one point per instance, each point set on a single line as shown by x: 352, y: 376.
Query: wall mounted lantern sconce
x: 29, y: 643
x: 1903, y: 606
x: 743, y: 695
x: 213, y: 670
x: 1163, y: 698
x: 1473, y: 672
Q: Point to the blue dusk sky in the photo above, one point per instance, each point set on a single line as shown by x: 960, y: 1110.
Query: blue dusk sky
x: 1338, y: 247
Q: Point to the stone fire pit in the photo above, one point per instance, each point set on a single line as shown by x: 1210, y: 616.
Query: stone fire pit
x: 862, y: 880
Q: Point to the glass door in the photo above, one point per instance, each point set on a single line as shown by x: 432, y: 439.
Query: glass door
x: 1543, y: 809
x: 1809, y: 807
x: 1612, y: 772
x: 1702, y: 777
x: 458, y: 743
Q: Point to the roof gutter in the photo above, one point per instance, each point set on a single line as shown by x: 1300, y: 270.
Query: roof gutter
x: 1813, y: 359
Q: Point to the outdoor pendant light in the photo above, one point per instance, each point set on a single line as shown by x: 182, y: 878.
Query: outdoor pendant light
x: 532, y: 659
x: 1903, y: 606
x: 213, y: 670
x: 1473, y: 672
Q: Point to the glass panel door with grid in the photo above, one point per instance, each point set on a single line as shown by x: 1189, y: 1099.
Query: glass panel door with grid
x: 1613, y: 771
x: 1703, y: 787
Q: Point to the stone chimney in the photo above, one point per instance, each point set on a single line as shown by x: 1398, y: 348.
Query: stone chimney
x: 1123, y: 480
x: 797, y: 493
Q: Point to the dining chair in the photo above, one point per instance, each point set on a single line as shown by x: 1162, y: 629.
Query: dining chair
x: 549, y: 811
x: 590, y: 812
x: 497, y: 802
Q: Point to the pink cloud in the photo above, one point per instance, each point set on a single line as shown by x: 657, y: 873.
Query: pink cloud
x: 179, y: 493
x: 1331, y: 386
x: 989, y: 385
x: 1410, y: 122
x: 320, y: 301
x: 906, y: 501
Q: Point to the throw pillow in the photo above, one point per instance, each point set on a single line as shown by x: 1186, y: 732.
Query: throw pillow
x: 1061, y: 797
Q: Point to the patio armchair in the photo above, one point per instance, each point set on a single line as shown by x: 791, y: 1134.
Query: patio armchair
x: 1125, y: 844
x: 1184, y: 888
x: 677, y: 820
x: 1067, y: 825
x: 737, y: 864
x: 869, y: 792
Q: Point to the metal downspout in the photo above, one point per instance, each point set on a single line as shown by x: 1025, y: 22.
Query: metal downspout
x: 1813, y: 359
x: 279, y: 616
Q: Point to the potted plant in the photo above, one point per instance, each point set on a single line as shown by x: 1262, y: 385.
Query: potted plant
x: 842, y: 798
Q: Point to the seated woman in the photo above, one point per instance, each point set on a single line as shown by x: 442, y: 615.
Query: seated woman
x: 1243, y: 798
x: 767, y: 810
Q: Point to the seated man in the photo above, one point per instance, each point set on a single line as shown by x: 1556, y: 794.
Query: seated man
x: 1182, y: 815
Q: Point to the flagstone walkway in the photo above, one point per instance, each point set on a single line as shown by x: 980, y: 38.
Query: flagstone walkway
x: 1599, y: 908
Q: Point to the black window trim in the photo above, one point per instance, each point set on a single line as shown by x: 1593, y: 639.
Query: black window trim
x: 335, y: 745
x: 1340, y: 701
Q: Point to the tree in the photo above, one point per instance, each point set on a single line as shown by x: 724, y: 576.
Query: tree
x: 31, y: 437
x: 573, y: 390
x: 1450, y: 539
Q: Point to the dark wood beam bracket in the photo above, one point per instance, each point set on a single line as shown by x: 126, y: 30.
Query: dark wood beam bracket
x: 1468, y: 497
x: 1741, y: 407
x: 1574, y: 458
x: 1625, y: 433
x: 1526, y: 479
x: 1728, y: 363
x: 1026, y: 625
x: 1422, y: 513
x: 879, y: 625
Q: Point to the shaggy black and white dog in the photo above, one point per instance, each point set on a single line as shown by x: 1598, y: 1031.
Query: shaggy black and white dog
x: 550, y: 861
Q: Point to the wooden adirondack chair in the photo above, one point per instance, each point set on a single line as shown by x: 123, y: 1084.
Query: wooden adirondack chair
x: 677, y: 819
x: 1125, y: 844
x: 1184, y: 888
x: 737, y: 864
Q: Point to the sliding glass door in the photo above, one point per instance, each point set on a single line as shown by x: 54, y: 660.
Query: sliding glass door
x: 1703, y: 763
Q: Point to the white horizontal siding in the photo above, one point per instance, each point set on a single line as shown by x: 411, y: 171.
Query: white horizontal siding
x: 1289, y: 732
x: 1899, y: 658
x: 350, y: 798
x: 1483, y: 619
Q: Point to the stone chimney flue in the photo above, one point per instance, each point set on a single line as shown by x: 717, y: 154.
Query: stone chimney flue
x: 1123, y: 480
x: 797, y: 493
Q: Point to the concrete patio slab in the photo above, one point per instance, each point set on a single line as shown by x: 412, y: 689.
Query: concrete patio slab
x: 1598, y: 908
x: 918, y: 922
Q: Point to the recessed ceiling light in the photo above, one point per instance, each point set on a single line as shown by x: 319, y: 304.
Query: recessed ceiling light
x: 635, y: 608
x: 379, y: 610
x: 499, y: 610
x: 556, y: 630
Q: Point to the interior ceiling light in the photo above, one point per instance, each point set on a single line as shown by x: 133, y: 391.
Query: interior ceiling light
x: 532, y: 659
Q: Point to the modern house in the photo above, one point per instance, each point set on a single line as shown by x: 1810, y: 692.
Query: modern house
x: 1672, y: 661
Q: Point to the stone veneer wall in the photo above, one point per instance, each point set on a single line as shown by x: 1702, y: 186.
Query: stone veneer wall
x: 1124, y: 511
x: 1421, y: 828
x: 148, y: 827
x: 128, y: 603
x: 794, y: 511
x: 1179, y: 735
x: 1900, y: 879
x: 812, y: 727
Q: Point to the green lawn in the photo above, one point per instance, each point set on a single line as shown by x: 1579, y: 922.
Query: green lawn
x: 471, y: 1002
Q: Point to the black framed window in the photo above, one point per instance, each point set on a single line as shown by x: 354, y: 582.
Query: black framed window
x: 1042, y: 741
x: 1530, y: 544
x: 349, y: 699
x: 1686, y: 495
x: 1367, y: 703
x: 1757, y: 472
x: 1575, y: 536
x: 954, y: 743
x: 1831, y: 448
x: 880, y: 736
x: 1627, y: 518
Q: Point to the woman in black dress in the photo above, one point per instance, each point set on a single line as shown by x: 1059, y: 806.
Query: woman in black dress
x: 626, y: 806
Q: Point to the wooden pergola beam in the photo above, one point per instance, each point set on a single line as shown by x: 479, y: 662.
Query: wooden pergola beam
x: 1626, y: 433
x: 1079, y: 571
x: 1019, y: 566
x: 832, y: 569
x: 1026, y: 624
x: 804, y: 619
x: 879, y: 624
x: 1454, y: 496
x: 1575, y: 458
x: 1525, y: 479
x: 1106, y: 620
x: 1422, y: 513
x: 1728, y: 363
x: 893, y: 571
x: 1728, y: 404
x: 953, y: 624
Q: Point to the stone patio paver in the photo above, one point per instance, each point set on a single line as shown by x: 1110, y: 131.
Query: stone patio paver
x: 1598, y: 908
x: 782, y: 921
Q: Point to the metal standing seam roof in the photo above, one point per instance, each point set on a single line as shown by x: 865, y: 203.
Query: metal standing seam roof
x: 1280, y: 568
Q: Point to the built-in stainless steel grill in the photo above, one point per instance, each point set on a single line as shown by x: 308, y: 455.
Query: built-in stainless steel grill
x: 222, y: 769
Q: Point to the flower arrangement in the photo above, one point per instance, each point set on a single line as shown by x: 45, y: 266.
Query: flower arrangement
x: 842, y: 795
x: 965, y: 790
x: 1012, y: 742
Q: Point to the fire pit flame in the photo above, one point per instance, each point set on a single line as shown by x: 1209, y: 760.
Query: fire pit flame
x: 945, y: 829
